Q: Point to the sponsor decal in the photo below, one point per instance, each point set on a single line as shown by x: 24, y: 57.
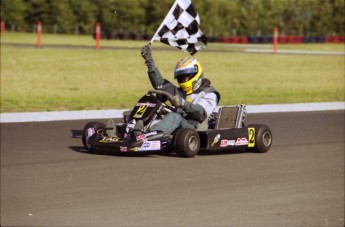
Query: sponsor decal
x: 251, y: 137
x: 231, y: 142
x: 225, y: 143
x: 150, y: 146
x: 146, y: 104
x: 141, y: 137
x: 144, y: 136
x: 215, y: 140
x: 109, y: 139
x: 241, y: 141
x: 123, y: 149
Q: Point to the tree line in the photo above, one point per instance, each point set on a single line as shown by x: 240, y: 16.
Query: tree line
x: 142, y: 17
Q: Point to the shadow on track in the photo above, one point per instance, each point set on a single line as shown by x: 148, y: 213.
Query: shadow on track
x: 81, y: 149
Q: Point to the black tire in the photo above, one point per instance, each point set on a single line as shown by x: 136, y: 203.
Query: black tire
x: 186, y: 142
x: 96, y: 126
x: 263, y: 138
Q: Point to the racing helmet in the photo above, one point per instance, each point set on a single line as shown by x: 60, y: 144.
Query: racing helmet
x: 189, y: 75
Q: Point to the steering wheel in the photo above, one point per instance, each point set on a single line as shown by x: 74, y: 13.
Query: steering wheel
x: 167, y: 95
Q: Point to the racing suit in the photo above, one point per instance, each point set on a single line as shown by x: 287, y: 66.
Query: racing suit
x: 198, y: 106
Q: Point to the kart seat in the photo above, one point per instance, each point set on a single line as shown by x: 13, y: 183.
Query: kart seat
x: 230, y: 116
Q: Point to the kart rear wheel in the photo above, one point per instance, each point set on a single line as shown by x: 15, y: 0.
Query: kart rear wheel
x: 186, y: 142
x: 96, y: 126
x: 263, y: 138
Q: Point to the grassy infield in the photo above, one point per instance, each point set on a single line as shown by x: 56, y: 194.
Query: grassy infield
x: 51, y: 79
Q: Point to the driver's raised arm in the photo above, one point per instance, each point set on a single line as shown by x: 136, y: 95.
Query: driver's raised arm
x: 157, y: 81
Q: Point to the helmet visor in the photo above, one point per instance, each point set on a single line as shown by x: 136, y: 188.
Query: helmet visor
x: 184, y: 78
x: 186, y: 71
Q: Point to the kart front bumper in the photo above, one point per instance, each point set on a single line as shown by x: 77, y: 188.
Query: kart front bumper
x: 140, y: 144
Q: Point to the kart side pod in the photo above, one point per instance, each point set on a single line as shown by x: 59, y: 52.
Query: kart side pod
x: 227, y: 133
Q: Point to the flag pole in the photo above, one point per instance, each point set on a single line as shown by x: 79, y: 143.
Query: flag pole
x: 162, y: 24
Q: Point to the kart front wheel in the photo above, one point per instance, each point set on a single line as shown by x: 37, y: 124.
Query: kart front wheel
x: 96, y: 126
x: 186, y: 142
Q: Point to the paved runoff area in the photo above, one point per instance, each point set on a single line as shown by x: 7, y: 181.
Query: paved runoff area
x: 103, y: 114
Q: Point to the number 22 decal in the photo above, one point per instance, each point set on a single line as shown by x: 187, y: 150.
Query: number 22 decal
x: 141, y: 110
x: 251, y: 137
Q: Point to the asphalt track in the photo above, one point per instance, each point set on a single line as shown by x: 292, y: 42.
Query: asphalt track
x: 47, y: 179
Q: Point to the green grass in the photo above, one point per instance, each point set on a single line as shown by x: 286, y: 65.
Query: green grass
x: 78, y: 79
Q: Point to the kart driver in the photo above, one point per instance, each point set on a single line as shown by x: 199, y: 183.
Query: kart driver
x: 195, y: 95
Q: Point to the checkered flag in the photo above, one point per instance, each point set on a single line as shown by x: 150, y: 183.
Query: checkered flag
x: 181, y: 28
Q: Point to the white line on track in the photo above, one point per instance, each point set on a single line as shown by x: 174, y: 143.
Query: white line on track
x: 106, y: 114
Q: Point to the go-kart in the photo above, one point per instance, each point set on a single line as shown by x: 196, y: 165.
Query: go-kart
x: 225, y: 131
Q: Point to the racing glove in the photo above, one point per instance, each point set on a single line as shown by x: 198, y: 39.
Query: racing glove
x: 146, y: 53
x: 178, y: 101
x: 195, y: 111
